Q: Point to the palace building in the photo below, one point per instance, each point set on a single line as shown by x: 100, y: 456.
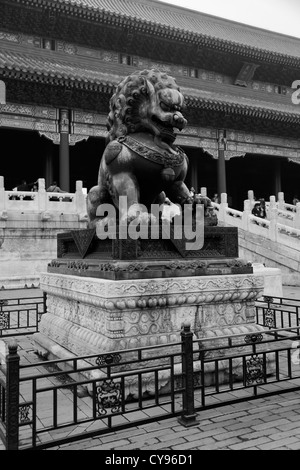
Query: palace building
x: 61, y: 60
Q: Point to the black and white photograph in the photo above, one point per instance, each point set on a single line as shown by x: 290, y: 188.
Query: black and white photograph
x: 149, y: 228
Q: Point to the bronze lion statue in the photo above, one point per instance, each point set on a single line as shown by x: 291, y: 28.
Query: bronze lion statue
x: 140, y: 160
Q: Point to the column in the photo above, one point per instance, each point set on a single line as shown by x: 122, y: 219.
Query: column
x: 277, y: 176
x: 49, y: 171
x: 64, y: 156
x: 194, y: 173
x: 221, y: 162
x: 2, y: 195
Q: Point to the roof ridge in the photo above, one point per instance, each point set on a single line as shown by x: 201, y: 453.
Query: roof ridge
x: 111, y: 6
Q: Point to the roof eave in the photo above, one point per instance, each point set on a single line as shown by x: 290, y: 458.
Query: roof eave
x: 165, y: 31
x: 104, y: 86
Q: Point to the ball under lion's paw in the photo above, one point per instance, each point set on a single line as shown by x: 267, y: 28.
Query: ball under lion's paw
x: 137, y: 213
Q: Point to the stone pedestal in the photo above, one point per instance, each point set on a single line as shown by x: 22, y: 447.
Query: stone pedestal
x: 88, y: 315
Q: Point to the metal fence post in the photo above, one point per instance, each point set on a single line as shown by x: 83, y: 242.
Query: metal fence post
x: 12, y: 396
x: 188, y: 416
x: 45, y: 302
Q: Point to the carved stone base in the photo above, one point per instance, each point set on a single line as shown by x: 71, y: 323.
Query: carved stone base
x: 97, y: 316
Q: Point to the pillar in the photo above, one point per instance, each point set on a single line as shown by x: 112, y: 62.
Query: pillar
x: 2, y: 194
x: 49, y: 169
x: 221, y: 162
x: 277, y: 176
x: 194, y: 173
x: 64, y: 156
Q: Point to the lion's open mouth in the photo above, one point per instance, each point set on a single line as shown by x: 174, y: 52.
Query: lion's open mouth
x: 166, y: 132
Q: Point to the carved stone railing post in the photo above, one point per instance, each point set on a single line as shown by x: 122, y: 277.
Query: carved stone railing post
x: 2, y: 195
x: 12, y: 397
x: 223, y: 207
x: 272, y: 211
x: 42, y: 196
x: 203, y: 192
x: 251, y: 198
x: 297, y: 216
x: 273, y: 218
x: 80, y: 201
x: 246, y: 214
x: 188, y: 416
x: 280, y: 200
x: 272, y: 204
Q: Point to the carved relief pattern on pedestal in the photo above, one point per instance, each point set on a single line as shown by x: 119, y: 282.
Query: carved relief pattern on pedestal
x: 88, y: 315
x: 77, y: 313
x: 230, y: 314
x: 148, y: 322
x: 126, y: 294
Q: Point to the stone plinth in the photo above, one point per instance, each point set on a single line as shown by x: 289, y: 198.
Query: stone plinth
x: 95, y: 316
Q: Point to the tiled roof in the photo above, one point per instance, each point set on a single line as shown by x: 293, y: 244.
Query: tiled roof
x: 56, y: 68
x: 239, y: 103
x: 49, y: 66
x: 194, y: 22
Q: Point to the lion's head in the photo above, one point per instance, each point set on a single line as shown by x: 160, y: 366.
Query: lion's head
x: 146, y: 101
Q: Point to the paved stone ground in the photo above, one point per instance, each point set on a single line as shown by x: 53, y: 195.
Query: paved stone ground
x: 263, y: 424
x: 271, y: 423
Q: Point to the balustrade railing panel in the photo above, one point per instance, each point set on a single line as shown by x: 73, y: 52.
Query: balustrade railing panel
x: 19, y: 316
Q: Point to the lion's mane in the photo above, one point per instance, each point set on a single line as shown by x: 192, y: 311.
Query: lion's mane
x: 130, y: 95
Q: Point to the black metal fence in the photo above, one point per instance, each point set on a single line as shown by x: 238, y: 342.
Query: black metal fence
x: 110, y: 391
x: 277, y: 312
x: 49, y: 403
x: 21, y: 315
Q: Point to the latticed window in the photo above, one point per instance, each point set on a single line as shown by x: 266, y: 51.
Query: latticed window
x: 2, y: 92
x: 48, y: 44
x: 193, y: 73
x: 125, y: 59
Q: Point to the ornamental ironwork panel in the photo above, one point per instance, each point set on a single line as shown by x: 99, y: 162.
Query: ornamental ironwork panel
x: 25, y: 413
x: 254, y: 373
x: 254, y: 338
x: 4, y: 320
x: 269, y: 318
x: 268, y: 299
x: 109, y: 396
x: 108, y: 359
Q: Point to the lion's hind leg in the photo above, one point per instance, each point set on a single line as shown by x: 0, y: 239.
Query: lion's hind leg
x: 95, y: 198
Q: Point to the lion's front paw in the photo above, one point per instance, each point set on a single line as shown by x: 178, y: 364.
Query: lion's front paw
x: 137, y: 213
